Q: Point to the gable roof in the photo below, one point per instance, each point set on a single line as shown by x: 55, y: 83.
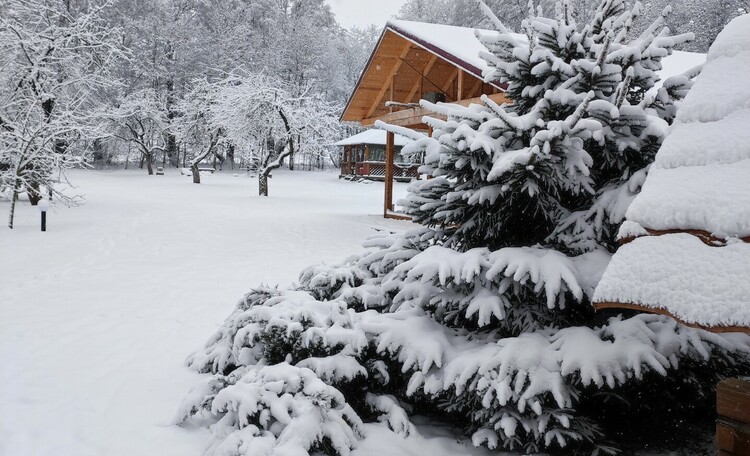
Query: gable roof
x: 689, y: 228
x: 373, y: 136
x: 408, y: 51
x: 457, y: 45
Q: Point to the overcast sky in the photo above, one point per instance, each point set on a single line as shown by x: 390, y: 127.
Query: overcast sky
x: 364, y: 12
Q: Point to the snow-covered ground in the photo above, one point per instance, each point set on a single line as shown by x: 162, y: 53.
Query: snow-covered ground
x: 98, y: 313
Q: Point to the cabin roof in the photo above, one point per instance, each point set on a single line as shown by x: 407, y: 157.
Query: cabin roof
x: 373, y: 136
x: 419, y: 57
x: 687, y: 250
x: 458, y: 45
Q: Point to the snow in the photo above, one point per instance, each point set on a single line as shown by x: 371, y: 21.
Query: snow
x: 700, y: 181
x: 458, y: 42
x: 701, y: 176
x: 99, y: 312
x: 722, y: 88
x: 699, y: 143
x: 373, y: 136
x: 696, y: 283
x: 732, y: 40
x: 678, y: 63
x: 712, y: 198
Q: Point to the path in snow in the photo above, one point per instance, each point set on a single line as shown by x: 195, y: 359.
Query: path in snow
x: 97, y: 314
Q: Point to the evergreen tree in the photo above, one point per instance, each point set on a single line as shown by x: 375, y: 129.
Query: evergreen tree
x: 483, y: 317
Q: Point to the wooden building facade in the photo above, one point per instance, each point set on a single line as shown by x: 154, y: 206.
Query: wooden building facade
x: 364, y: 157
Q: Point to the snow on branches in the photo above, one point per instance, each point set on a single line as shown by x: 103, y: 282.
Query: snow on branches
x: 483, y: 316
x: 54, y: 66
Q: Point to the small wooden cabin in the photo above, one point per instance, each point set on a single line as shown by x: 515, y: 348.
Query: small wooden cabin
x: 413, y: 61
x: 364, y: 157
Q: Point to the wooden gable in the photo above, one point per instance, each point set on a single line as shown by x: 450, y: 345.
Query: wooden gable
x: 403, y: 70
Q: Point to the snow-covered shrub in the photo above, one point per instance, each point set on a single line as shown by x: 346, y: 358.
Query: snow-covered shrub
x: 483, y: 316
x: 279, y: 409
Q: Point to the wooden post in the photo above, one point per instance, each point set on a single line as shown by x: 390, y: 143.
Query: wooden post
x: 393, y: 77
x: 460, y: 91
x: 390, y: 152
x: 733, y: 424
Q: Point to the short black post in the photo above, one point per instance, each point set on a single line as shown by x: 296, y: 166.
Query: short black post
x: 43, y: 206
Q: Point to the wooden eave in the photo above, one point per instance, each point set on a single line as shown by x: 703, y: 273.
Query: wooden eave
x: 402, y: 68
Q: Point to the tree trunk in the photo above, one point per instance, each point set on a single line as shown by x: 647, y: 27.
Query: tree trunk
x: 150, y: 164
x: 230, y: 155
x: 263, y: 184
x: 35, y: 195
x: 268, y: 167
x: 140, y: 165
x: 196, y: 173
x: 13, y: 199
x: 173, y: 152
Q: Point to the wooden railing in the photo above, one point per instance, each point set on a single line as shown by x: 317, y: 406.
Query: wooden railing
x: 376, y: 170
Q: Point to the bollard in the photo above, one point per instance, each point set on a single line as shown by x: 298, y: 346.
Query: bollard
x: 43, y: 206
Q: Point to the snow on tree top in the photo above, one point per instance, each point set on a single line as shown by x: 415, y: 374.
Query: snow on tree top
x: 699, y: 186
x: 373, y: 136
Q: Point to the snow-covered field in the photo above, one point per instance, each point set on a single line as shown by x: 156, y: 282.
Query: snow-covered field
x: 98, y: 313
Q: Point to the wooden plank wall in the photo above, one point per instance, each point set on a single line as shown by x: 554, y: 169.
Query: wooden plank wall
x: 733, y: 424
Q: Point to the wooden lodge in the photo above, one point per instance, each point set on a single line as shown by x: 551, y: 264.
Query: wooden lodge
x: 414, y: 61
x: 364, y: 157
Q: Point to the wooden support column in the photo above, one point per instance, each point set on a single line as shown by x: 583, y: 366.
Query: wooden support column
x: 390, y: 153
x: 460, y: 90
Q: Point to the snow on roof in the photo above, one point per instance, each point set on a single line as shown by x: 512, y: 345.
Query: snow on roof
x: 679, y: 274
x: 459, y: 45
x: 373, y: 136
x: 697, y: 193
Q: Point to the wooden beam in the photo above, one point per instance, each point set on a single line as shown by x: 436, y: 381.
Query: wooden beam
x: 449, y: 82
x: 460, y: 89
x: 477, y: 88
x: 390, y: 152
x: 413, y: 116
x: 424, y: 73
x: 386, y: 87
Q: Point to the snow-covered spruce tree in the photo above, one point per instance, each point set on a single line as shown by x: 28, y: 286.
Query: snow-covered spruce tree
x: 482, y: 317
